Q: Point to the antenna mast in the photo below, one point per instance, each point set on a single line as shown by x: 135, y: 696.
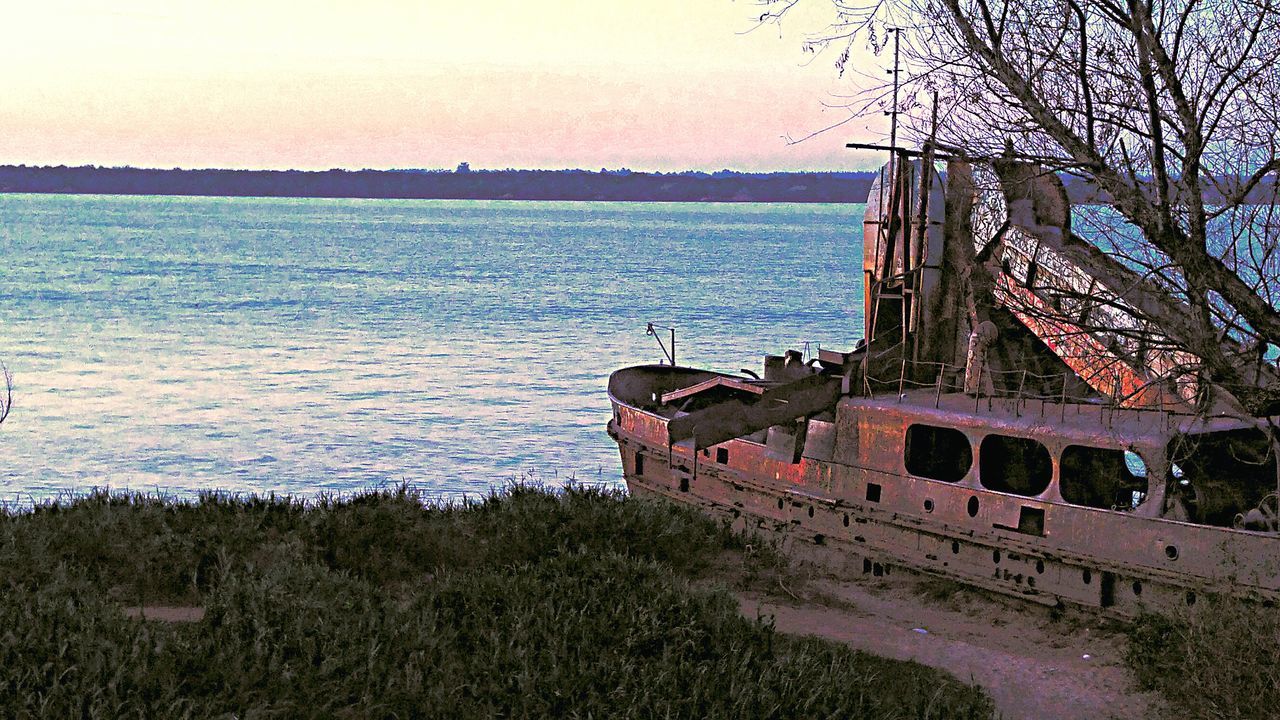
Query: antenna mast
x: 893, y: 112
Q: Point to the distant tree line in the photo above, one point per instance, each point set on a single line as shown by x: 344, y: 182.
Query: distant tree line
x: 464, y: 183
x: 467, y: 184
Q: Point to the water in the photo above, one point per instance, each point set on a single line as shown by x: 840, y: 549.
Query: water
x: 305, y: 346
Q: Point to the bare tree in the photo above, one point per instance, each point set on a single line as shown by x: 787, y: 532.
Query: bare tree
x: 6, y: 403
x: 1170, y: 108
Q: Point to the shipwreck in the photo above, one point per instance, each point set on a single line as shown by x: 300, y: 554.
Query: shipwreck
x: 1014, y: 419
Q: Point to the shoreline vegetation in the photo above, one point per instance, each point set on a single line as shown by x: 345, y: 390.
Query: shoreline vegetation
x: 527, y: 603
x: 530, y: 602
x: 463, y: 184
x: 460, y: 184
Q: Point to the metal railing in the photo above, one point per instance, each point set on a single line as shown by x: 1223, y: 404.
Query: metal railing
x: 1015, y: 390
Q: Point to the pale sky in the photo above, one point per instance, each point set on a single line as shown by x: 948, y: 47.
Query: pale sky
x: 645, y: 84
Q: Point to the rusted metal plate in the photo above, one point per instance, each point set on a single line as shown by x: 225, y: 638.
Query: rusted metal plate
x: 1094, y: 362
x: 734, y: 418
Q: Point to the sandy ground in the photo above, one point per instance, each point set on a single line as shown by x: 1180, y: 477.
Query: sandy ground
x: 1035, y: 663
x: 167, y: 613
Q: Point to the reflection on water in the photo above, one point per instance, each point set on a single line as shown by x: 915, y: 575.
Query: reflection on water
x: 326, y: 345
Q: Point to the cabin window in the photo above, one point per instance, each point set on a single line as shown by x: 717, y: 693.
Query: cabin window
x: 1020, y: 466
x: 1102, y: 478
x: 1217, y: 476
x: 937, y: 453
x: 639, y: 464
x: 722, y: 456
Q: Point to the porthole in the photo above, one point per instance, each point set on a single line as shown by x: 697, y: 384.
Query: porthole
x: 973, y: 506
x: 846, y: 519
x: 810, y: 511
x: 1086, y: 576
x: 1171, y: 552
x: 928, y: 506
x: 1040, y: 567
x: 780, y: 503
x: 955, y: 548
x: 1137, y: 587
x: 995, y: 556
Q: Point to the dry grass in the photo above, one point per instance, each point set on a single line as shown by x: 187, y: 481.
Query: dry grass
x: 529, y: 603
x: 1219, y: 659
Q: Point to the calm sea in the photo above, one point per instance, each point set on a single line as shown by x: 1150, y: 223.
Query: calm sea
x: 306, y: 346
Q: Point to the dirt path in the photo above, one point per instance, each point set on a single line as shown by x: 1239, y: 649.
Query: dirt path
x: 166, y: 613
x: 1035, y: 664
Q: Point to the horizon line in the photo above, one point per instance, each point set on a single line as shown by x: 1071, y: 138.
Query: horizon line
x: 457, y: 170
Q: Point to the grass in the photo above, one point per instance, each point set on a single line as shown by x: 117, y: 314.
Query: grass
x: 1219, y: 659
x: 528, y: 603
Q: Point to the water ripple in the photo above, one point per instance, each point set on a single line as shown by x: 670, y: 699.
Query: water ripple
x: 309, y: 346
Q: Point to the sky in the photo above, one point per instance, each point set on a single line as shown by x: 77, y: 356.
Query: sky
x: 644, y: 84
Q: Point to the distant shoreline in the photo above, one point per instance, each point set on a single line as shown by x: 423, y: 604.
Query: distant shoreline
x: 466, y: 184
x: 461, y: 184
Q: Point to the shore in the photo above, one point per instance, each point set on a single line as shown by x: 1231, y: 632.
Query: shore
x: 528, y: 603
x: 540, y: 603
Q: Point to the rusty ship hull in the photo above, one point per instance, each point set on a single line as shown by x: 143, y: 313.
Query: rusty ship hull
x: 1107, y: 486
x: 862, y: 507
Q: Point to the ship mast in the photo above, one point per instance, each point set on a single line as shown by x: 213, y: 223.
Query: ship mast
x: 882, y: 273
x: 893, y: 110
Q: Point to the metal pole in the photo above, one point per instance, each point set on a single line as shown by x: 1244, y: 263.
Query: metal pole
x: 1018, y: 402
x: 893, y: 114
x: 977, y: 388
x: 652, y: 330
x: 1062, y: 402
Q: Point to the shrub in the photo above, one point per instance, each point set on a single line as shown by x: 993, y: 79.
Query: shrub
x: 1220, y: 659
